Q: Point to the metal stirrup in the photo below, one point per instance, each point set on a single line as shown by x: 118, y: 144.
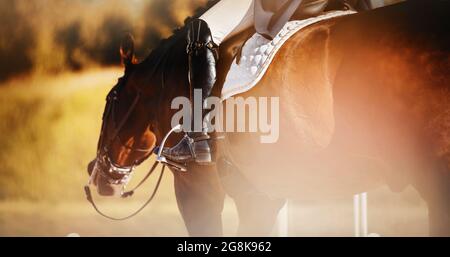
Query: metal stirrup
x: 162, y: 159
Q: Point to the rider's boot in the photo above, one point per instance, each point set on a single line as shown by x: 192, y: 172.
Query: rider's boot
x: 203, y: 56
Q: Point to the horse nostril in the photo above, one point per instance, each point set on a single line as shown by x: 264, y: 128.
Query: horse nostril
x: 90, y: 167
x: 105, y: 188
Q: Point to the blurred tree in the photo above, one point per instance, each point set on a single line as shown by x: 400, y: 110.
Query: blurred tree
x: 16, y: 40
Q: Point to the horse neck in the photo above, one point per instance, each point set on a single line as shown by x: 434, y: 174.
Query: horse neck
x: 173, y: 79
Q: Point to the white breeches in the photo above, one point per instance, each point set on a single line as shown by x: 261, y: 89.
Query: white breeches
x: 228, y: 18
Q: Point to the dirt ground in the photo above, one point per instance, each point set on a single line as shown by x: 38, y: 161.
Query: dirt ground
x: 389, y: 215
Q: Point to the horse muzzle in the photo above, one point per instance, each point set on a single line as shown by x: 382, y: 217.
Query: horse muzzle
x: 105, y: 184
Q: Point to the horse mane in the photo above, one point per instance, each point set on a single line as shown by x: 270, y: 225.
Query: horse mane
x: 165, y: 51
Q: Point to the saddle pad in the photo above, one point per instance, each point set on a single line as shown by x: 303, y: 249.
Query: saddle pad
x: 259, y: 52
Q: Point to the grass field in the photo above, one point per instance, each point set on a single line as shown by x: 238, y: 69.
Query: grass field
x: 48, y: 133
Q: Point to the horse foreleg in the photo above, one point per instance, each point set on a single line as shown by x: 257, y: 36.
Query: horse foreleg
x: 434, y: 187
x: 257, y: 214
x: 200, y: 200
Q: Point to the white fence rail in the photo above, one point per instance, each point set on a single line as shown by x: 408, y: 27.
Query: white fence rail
x: 360, y: 218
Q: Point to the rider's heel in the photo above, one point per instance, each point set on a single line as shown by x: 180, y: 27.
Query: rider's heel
x: 204, y: 159
x: 202, y: 152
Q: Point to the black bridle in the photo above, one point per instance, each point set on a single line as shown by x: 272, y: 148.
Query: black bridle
x: 117, y: 174
x: 103, y: 155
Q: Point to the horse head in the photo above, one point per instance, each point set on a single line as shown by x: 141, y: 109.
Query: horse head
x: 127, y: 136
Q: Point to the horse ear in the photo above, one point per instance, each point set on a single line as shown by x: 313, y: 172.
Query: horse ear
x: 127, y: 50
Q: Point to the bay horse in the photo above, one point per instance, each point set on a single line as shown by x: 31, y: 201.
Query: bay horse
x: 364, y: 102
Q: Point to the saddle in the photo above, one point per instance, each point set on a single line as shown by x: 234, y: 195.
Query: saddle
x: 255, y: 56
x: 245, y: 58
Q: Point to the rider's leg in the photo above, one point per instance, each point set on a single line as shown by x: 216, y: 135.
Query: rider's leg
x: 228, y: 18
x: 358, y: 5
x: 364, y: 5
x: 203, y: 55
